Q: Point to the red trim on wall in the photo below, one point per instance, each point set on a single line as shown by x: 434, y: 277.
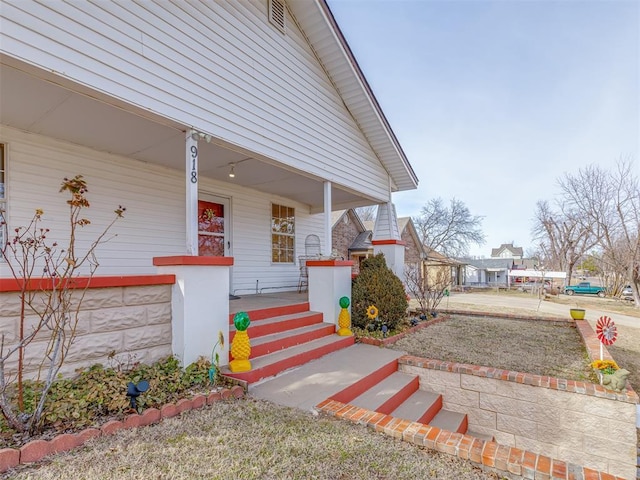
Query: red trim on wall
x: 12, y: 285
x: 388, y: 242
x: 329, y: 263
x: 192, y: 260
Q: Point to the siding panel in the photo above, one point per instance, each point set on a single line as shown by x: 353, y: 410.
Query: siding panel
x: 154, y: 220
x: 185, y: 60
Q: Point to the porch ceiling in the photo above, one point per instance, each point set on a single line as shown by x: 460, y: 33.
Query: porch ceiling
x: 44, y: 104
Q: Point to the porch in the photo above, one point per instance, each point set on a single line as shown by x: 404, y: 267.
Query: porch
x: 261, y: 301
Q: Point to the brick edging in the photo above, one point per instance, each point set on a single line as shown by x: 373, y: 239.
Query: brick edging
x: 490, y: 455
x: 36, y: 450
x: 589, y: 338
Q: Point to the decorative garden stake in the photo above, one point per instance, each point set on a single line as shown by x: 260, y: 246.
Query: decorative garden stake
x: 240, y: 347
x: 606, y: 331
x: 215, y: 358
x: 344, y: 319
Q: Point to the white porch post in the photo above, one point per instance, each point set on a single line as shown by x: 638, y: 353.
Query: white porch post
x: 328, y: 248
x: 199, y: 305
x: 329, y: 280
x: 191, y: 178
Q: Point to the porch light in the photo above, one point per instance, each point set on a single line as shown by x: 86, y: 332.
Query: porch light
x: 232, y: 172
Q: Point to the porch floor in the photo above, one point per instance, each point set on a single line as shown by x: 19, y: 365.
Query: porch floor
x: 266, y: 300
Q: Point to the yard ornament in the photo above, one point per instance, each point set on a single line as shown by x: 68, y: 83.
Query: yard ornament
x: 344, y: 319
x: 240, y: 347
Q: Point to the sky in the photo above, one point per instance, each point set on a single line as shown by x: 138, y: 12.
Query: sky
x: 493, y: 101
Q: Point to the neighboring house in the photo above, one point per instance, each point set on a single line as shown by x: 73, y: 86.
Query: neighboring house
x: 507, y: 250
x: 494, y: 271
x: 487, y: 271
x: 226, y: 130
x: 352, y: 239
x: 345, y: 227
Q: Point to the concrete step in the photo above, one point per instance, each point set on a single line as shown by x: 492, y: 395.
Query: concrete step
x: 281, y: 323
x: 364, y: 383
x: 421, y: 406
x: 388, y: 394
x: 269, y: 312
x: 278, y: 341
x: 451, y: 421
x: 309, y: 384
x: 273, y: 363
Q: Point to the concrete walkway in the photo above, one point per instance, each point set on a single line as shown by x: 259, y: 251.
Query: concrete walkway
x: 533, y: 304
x: 306, y: 386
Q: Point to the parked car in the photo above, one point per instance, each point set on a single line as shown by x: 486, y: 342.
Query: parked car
x: 627, y: 293
x: 585, y: 288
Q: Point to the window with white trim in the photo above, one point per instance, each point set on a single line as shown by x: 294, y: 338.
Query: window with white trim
x: 283, y: 234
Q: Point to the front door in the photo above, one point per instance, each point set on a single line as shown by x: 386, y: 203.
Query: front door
x: 213, y: 227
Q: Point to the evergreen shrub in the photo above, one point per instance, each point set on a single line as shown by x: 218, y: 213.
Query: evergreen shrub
x: 377, y: 285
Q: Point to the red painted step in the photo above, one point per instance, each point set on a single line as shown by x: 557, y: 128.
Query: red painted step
x: 278, y: 324
x: 364, y: 384
x: 278, y: 341
x: 274, y: 363
x: 263, y: 313
x: 388, y: 394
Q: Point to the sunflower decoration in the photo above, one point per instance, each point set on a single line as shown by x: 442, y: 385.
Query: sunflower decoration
x: 372, y: 312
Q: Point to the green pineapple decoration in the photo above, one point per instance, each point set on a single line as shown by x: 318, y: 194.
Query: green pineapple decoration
x: 344, y: 319
x: 240, y: 347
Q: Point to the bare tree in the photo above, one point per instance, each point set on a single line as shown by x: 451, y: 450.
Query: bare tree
x: 449, y: 230
x: 47, y: 277
x: 599, y: 215
x: 563, y: 237
x: 367, y: 214
x: 428, y: 285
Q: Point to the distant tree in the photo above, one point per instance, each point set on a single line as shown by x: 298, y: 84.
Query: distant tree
x: 597, y: 216
x: 610, y: 204
x: 449, y: 229
x: 562, y: 237
x: 367, y: 214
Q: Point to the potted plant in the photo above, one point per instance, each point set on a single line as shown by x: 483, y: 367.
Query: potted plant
x: 577, y: 313
x: 604, y: 367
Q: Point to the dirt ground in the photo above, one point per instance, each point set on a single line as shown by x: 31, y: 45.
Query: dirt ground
x: 537, y: 347
x: 626, y: 349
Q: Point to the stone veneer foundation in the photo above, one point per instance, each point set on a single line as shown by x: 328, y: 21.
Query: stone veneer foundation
x: 117, y: 317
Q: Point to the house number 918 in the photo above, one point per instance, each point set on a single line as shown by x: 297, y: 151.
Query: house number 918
x: 194, y: 158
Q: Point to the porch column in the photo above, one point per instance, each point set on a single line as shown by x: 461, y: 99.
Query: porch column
x: 387, y: 239
x: 328, y: 248
x: 191, y: 178
x: 199, y: 305
x: 329, y: 280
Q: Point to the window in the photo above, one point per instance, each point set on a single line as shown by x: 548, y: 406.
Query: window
x: 3, y: 197
x: 283, y: 229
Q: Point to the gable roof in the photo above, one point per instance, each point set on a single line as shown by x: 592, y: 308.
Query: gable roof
x: 515, y: 251
x: 351, y: 213
x: 331, y: 48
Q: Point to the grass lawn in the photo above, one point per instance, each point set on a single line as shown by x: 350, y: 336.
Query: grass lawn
x: 251, y: 439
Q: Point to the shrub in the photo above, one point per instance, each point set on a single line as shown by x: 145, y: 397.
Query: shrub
x: 101, y: 391
x: 378, y: 285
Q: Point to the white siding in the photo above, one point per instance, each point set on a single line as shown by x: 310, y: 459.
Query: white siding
x: 154, y: 220
x: 217, y: 65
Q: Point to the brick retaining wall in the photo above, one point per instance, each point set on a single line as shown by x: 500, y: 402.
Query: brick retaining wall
x: 577, y: 422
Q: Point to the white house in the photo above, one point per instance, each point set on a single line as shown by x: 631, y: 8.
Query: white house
x: 227, y: 129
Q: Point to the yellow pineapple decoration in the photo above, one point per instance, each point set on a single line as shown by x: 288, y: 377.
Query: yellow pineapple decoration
x: 344, y: 319
x: 240, y: 347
